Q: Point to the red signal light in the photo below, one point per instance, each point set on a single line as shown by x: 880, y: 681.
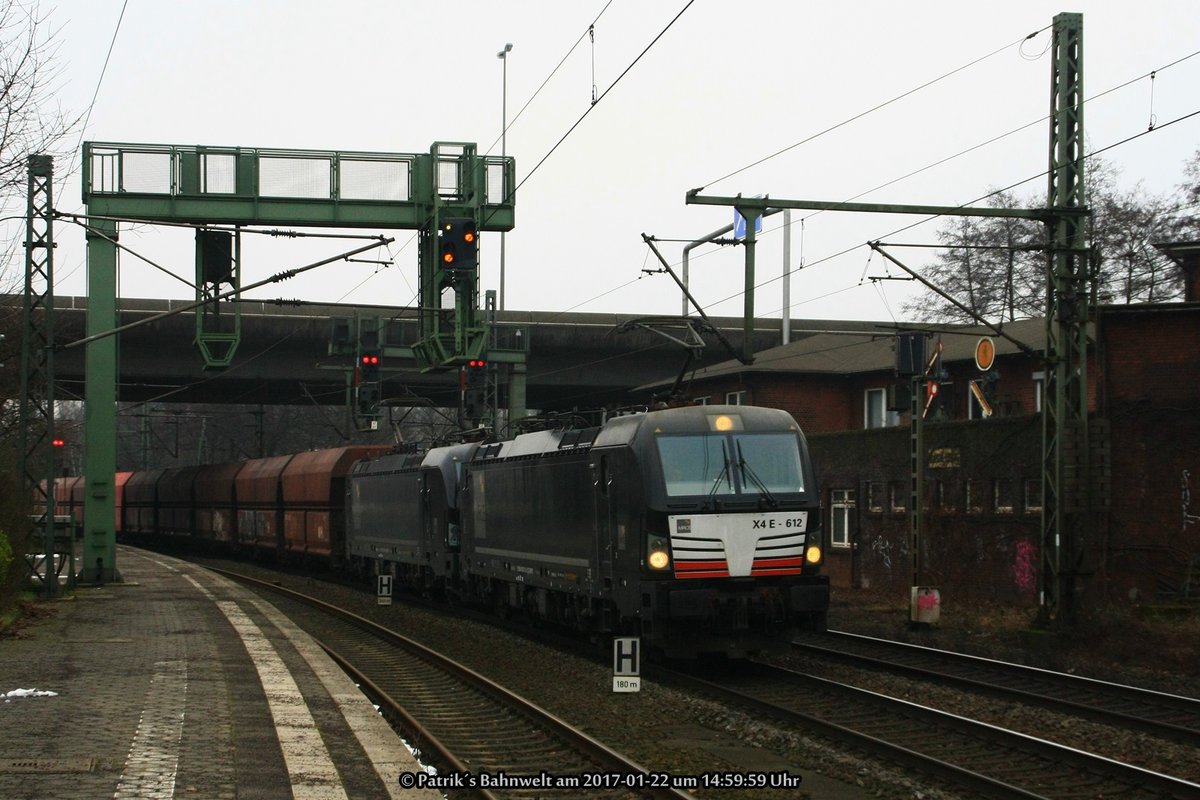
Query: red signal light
x: 476, y: 363
x: 370, y: 360
x: 58, y: 442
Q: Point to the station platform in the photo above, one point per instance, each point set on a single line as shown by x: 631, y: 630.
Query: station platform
x: 178, y: 683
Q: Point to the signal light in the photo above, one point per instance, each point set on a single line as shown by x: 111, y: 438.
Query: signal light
x: 459, y: 248
x: 476, y: 372
x: 368, y: 364
x: 57, y: 442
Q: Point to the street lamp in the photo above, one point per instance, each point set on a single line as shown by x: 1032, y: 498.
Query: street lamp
x: 503, y: 56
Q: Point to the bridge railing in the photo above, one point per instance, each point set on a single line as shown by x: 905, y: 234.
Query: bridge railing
x: 273, y: 186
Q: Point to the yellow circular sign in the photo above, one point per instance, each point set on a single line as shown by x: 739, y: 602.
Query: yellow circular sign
x: 985, y: 353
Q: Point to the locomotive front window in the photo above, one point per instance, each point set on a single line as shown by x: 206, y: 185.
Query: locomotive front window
x: 738, y: 463
x: 769, y: 461
x: 695, y: 465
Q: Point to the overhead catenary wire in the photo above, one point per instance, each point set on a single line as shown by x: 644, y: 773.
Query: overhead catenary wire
x: 603, y: 94
x: 984, y: 197
x: 875, y: 108
x: 852, y: 119
x: 96, y: 93
x: 932, y: 165
x: 939, y: 162
x: 587, y: 31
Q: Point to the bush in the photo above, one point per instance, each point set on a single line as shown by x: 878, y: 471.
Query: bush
x: 14, y: 524
x: 5, y: 554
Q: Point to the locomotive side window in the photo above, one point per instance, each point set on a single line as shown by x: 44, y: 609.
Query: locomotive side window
x: 730, y: 464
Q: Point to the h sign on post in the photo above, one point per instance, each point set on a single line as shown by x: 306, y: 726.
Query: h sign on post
x: 627, y: 664
x: 384, y: 595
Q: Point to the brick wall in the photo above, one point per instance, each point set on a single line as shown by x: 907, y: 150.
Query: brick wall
x: 983, y: 552
x: 1144, y: 379
x: 1151, y: 393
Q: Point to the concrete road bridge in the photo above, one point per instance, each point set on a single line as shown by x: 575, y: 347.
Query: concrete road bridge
x: 573, y: 360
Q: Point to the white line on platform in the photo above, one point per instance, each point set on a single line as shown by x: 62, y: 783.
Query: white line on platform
x: 153, y: 760
x: 310, y: 769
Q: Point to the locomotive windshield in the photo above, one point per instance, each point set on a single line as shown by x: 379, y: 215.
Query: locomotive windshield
x: 724, y: 464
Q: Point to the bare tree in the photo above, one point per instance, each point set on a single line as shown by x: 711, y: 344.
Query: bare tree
x: 997, y: 267
x: 987, y: 266
x: 1185, y: 223
x: 31, y: 119
x: 31, y: 122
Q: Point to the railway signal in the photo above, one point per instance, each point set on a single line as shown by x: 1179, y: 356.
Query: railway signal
x: 474, y: 386
x: 368, y: 400
x: 368, y: 365
x: 476, y: 373
x: 460, y: 244
x: 370, y: 359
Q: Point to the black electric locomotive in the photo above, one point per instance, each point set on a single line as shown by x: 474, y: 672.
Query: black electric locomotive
x: 696, y: 528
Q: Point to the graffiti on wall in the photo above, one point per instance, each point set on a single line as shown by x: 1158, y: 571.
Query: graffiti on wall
x: 1025, y: 566
x: 883, y: 546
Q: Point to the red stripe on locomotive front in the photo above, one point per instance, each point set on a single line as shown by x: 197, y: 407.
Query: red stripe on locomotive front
x: 701, y: 569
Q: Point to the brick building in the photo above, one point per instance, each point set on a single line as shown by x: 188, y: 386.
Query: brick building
x: 983, y: 476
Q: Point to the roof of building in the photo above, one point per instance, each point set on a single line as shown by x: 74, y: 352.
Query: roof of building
x: 842, y: 351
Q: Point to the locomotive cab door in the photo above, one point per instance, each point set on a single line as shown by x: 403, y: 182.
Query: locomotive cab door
x: 606, y: 523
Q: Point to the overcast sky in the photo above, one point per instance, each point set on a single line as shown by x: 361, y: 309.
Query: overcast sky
x: 727, y: 85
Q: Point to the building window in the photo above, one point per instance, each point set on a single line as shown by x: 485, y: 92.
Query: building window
x: 736, y: 398
x: 1003, y: 497
x: 974, y: 492
x: 702, y: 401
x: 1039, y: 391
x: 943, y: 501
x: 899, y: 497
x: 841, y: 512
x: 875, y: 410
x: 1033, y: 495
x: 875, y: 491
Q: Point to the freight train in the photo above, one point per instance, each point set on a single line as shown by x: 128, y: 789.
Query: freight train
x: 695, y: 528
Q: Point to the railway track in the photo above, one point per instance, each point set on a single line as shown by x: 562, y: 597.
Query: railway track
x: 464, y: 723
x: 1169, y: 716
x: 978, y: 757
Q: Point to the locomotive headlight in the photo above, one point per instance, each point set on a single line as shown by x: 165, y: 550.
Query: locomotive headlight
x: 812, y: 554
x: 657, y: 557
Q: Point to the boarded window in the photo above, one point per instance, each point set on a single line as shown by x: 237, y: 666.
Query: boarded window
x: 841, y: 505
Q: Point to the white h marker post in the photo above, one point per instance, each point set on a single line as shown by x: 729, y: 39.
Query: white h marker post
x: 627, y: 664
x: 384, y: 594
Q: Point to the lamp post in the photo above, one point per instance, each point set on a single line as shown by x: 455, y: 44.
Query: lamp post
x: 503, y: 56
